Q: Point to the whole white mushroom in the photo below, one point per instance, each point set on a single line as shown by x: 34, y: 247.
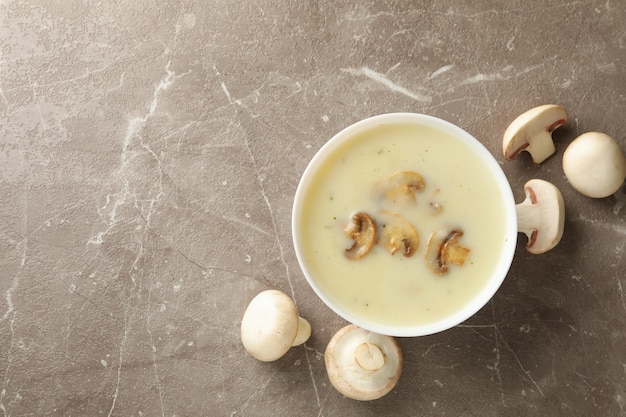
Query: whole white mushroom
x: 271, y: 326
x: 532, y: 132
x: 595, y: 165
x: 363, y: 365
x: 541, y: 216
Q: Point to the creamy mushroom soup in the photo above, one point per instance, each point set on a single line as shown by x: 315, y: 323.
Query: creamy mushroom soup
x: 408, y: 287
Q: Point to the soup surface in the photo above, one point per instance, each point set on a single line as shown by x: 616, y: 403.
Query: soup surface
x: 459, y: 193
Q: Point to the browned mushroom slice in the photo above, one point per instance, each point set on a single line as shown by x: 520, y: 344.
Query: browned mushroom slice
x: 400, y: 187
x: 443, y: 248
x: 398, y: 234
x: 362, y: 230
x: 532, y: 132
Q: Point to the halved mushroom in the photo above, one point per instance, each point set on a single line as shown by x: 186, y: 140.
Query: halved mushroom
x: 443, y: 248
x: 400, y: 187
x: 363, y: 365
x: 595, y: 165
x: 532, y: 132
x: 398, y: 234
x: 541, y: 216
x: 362, y: 230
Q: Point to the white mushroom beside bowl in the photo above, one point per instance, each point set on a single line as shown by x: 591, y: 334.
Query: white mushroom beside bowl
x: 532, y: 132
x: 595, y: 165
x: 271, y: 326
x: 363, y: 365
x: 541, y: 216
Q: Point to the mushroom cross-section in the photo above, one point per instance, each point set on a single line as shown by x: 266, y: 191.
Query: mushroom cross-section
x: 541, y: 216
x: 398, y: 233
x: 363, y: 365
x: 532, y: 132
x: 362, y: 231
x: 594, y: 165
x: 271, y: 325
x: 443, y: 248
x: 400, y: 187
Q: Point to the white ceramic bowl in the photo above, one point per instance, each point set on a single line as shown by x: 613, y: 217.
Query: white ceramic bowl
x: 510, y: 228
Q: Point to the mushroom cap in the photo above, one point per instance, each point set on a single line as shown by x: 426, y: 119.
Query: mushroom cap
x: 363, y: 365
x: 541, y: 215
x: 269, y: 325
x: 594, y: 165
x: 532, y: 131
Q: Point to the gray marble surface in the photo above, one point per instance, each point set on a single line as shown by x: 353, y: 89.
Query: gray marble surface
x: 149, y: 154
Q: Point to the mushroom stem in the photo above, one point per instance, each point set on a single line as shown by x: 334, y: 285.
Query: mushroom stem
x: 542, y: 147
x: 369, y: 356
x: 527, y: 213
x: 541, y: 216
x: 304, y: 332
x: 363, y: 365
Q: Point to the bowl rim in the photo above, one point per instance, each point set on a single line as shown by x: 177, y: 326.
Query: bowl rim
x: 507, y: 253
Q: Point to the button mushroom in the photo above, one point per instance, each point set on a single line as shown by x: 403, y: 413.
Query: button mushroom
x: 400, y: 187
x: 443, y: 248
x: 595, y: 165
x: 363, y: 365
x: 532, y: 132
x: 362, y: 230
x: 398, y: 234
x: 271, y: 325
x: 541, y: 216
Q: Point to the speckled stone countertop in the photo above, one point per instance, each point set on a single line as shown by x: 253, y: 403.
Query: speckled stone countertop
x: 149, y: 155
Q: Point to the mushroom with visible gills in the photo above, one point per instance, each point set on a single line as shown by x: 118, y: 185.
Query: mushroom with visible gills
x: 398, y: 234
x: 595, y: 165
x: 532, y: 132
x: 541, y: 216
x: 363, y: 365
x: 271, y: 325
x: 400, y: 187
x: 443, y: 248
x: 362, y: 230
